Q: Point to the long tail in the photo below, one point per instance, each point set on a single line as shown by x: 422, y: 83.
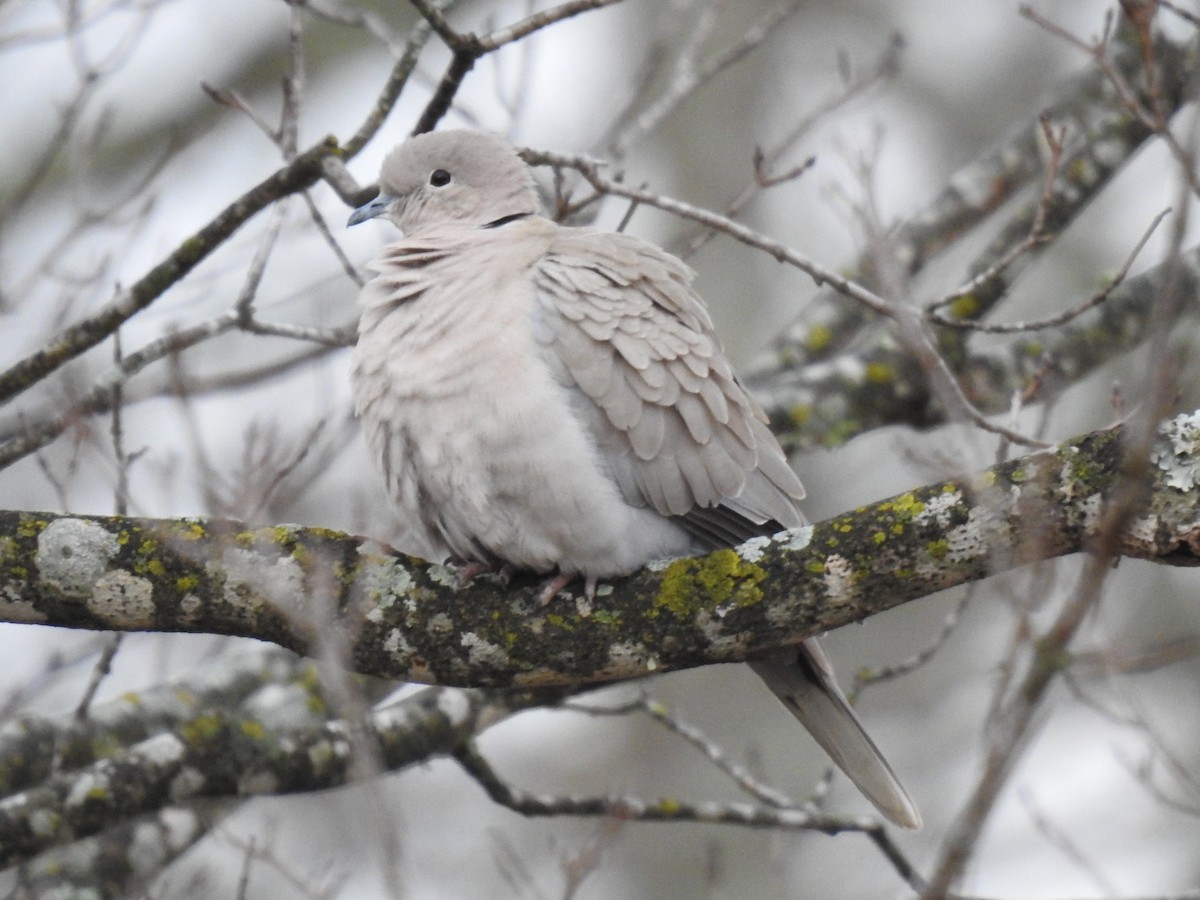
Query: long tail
x: 804, y: 682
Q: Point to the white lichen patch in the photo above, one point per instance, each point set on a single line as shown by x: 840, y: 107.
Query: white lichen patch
x: 396, y: 644
x: 88, y: 786
x: 964, y: 544
x: 123, y: 600
x: 179, y: 826
x: 937, y: 508
x: 753, y: 549
x: 794, y: 538
x: 44, y: 823
x: 281, y: 707
x: 252, y: 577
x: 718, y: 641
x: 986, y: 527
x: 483, y: 653
x: 162, y: 749
x: 262, y: 781
x: 444, y: 575
x: 187, y: 784
x: 779, y: 615
x: 454, y: 705
x: 1177, y: 453
x: 384, y: 581
x: 73, y: 553
x: 850, y: 368
x: 625, y: 659
x: 839, y: 579
x: 1092, y: 507
x: 189, y: 607
x: 1143, y: 530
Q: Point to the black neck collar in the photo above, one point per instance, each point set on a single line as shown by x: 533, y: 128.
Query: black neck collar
x: 504, y: 220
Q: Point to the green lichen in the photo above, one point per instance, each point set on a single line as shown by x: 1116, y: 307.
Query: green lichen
x: 186, y: 583
x: 104, y: 745
x: 31, y: 528
x: 253, y: 729
x: 880, y: 373
x: 800, y: 414
x: 201, y: 729
x: 904, y: 507
x: 153, y: 567
x: 188, y: 531
x: 938, y: 549
x: 818, y: 337
x: 722, y: 578
x: 964, y: 306
x: 309, y: 678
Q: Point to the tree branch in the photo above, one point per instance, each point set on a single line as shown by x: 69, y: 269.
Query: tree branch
x: 258, y: 733
x: 404, y: 618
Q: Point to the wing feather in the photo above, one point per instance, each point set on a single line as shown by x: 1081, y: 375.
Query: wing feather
x: 625, y: 332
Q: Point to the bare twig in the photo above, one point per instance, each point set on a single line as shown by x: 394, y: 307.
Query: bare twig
x: 936, y: 317
x: 467, y: 48
x: 301, y: 173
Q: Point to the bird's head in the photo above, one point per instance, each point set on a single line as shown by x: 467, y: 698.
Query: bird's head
x: 451, y: 177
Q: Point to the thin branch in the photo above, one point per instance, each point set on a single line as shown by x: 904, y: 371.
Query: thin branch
x: 300, y: 174
x: 467, y: 48
x: 689, y: 76
x: 936, y: 317
x: 590, y: 169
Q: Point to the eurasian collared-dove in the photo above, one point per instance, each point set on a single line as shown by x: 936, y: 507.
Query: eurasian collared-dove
x: 555, y: 399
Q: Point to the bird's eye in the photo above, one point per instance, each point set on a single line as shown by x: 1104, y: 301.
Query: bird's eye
x: 439, y: 177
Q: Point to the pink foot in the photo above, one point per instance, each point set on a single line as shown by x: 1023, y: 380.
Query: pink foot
x: 551, y: 588
x: 467, y: 573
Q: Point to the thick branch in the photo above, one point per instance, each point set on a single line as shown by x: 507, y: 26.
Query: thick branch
x: 408, y: 619
x: 273, y: 740
x: 830, y: 402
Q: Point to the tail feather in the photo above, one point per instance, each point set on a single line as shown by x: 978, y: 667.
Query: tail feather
x: 805, y: 685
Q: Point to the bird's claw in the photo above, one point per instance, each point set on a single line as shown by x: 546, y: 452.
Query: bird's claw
x: 551, y: 588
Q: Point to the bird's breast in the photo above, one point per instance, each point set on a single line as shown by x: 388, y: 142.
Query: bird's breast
x: 482, y: 450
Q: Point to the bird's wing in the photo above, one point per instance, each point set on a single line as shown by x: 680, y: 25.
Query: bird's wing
x: 622, y: 329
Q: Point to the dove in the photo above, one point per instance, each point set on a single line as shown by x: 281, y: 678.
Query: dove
x: 556, y: 399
